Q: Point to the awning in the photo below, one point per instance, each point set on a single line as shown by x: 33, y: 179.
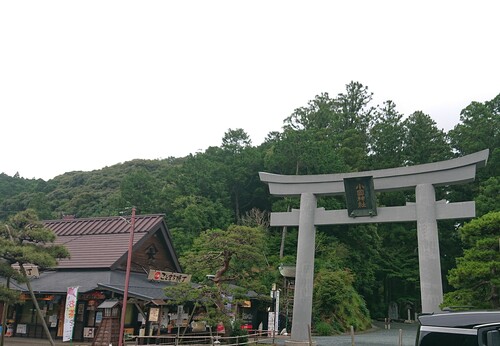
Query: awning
x: 108, y: 304
x: 57, y: 282
x: 158, y: 302
x: 141, y: 293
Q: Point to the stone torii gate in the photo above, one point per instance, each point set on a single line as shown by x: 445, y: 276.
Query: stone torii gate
x: 426, y: 211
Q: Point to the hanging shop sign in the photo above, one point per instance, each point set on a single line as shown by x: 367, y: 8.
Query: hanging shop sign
x: 92, y: 295
x: 46, y: 297
x: 158, y: 275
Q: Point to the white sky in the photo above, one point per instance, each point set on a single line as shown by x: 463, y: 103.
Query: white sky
x: 88, y: 84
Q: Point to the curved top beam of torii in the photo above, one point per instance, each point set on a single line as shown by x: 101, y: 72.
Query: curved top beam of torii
x: 455, y: 171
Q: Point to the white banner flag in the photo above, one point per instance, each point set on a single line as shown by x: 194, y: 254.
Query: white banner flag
x: 69, y: 313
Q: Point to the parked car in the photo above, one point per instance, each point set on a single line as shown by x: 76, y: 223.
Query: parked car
x: 466, y: 328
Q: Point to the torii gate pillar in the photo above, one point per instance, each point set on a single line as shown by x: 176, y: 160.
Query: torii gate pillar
x: 303, y: 296
x: 426, y: 211
x: 431, y: 287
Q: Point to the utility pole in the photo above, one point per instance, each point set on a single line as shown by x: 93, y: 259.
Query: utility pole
x: 127, y: 279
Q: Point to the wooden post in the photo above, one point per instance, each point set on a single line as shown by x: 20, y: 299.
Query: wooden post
x: 352, y: 336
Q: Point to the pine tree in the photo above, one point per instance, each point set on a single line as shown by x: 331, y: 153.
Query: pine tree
x: 25, y: 241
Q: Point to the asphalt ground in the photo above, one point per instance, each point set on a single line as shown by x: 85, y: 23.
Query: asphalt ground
x: 378, y: 335
x: 20, y: 341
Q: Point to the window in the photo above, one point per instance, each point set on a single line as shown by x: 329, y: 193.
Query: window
x: 440, y: 339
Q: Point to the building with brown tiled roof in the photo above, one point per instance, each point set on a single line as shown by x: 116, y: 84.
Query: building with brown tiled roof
x: 99, y: 249
x: 103, y: 243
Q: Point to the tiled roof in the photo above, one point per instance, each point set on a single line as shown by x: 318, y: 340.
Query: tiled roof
x: 99, y: 242
x: 102, y: 225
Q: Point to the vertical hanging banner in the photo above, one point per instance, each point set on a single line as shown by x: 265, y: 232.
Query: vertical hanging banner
x: 69, y: 313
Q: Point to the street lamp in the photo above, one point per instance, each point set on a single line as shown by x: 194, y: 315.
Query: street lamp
x: 127, y: 278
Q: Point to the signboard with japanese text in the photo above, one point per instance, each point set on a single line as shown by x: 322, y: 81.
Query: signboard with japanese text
x: 88, y: 332
x: 158, y: 275
x: 31, y: 270
x: 360, y: 196
x: 21, y: 329
x: 153, y: 314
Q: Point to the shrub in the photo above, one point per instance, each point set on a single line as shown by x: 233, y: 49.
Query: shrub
x: 324, y: 329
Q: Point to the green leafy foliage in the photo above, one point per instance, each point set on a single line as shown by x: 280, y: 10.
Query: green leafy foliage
x: 479, y: 127
x: 219, y: 259
x: 24, y: 240
x: 424, y: 142
x: 234, y: 255
x: 204, y: 295
x: 337, y: 303
x: 387, y: 138
x: 477, y: 275
x: 488, y: 198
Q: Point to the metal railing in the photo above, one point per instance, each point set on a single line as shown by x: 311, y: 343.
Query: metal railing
x: 253, y: 337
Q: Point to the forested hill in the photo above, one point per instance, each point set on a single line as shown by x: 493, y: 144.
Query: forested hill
x: 330, y: 134
x: 221, y: 186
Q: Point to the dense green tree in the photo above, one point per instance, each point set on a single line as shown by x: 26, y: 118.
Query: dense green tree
x: 329, y: 135
x: 424, y: 142
x: 387, y: 138
x: 236, y: 254
x: 488, y: 198
x: 309, y: 142
x: 479, y: 127
x: 194, y: 214
x: 12, y: 186
x: 332, y: 254
x: 24, y: 240
x: 397, y: 273
x: 40, y: 203
x: 318, y: 114
x: 213, y: 301
x: 243, y: 162
x: 236, y: 140
x: 232, y: 256
x: 203, y: 174
x: 354, y: 116
x: 476, y: 277
x: 304, y: 152
x: 364, y: 255
x: 139, y: 189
